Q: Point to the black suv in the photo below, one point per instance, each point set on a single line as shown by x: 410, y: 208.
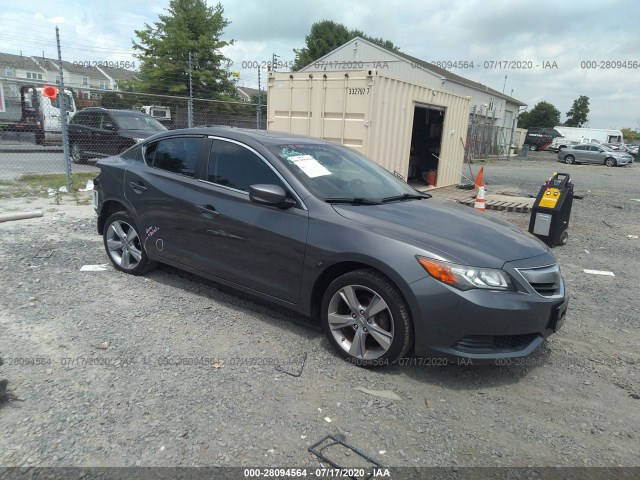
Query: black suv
x: 101, y: 132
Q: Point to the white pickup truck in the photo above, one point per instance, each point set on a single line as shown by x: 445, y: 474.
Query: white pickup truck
x: 575, y: 135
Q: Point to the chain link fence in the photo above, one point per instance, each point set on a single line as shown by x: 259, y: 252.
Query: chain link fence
x: 99, y: 123
x: 486, y: 139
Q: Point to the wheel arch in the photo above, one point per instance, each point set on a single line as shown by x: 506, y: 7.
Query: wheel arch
x: 109, y: 207
x: 338, y: 269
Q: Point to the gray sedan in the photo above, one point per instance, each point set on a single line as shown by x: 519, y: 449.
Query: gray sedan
x: 589, y: 153
x: 320, y: 229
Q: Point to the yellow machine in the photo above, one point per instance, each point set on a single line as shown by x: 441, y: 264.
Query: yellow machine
x: 552, y: 209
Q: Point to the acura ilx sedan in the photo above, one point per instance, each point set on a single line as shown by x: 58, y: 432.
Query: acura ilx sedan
x: 320, y: 229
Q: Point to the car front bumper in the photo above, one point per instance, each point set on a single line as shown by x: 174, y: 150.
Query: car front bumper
x: 483, y: 325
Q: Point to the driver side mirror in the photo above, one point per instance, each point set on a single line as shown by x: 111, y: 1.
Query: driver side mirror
x: 271, y: 195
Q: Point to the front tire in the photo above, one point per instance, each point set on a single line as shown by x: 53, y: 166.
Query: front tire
x: 366, y: 319
x: 610, y: 162
x: 124, y: 245
x: 533, y: 148
x: 569, y: 159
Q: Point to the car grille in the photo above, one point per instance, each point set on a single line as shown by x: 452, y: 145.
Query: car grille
x: 495, y: 343
x: 547, y: 281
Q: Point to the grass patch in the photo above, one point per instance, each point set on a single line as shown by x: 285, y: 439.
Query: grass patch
x: 56, y: 180
x: 37, y: 184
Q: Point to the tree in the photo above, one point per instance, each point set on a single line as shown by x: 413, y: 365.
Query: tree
x: 577, y: 116
x: 543, y: 114
x: 629, y: 134
x: 259, y: 97
x: 116, y: 100
x: 190, y: 26
x: 326, y: 36
x: 523, y: 120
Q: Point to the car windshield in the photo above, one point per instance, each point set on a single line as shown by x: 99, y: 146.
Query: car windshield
x: 138, y: 122
x: 336, y: 173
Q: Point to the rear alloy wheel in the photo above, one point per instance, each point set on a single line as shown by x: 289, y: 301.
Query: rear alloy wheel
x: 366, y: 319
x: 124, y: 246
x: 610, y: 162
x: 569, y: 159
x: 75, y: 153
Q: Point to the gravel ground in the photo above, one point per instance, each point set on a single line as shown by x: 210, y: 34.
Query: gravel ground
x: 101, y: 364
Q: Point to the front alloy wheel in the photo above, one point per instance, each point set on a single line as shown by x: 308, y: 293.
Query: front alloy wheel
x: 610, y: 162
x: 366, y: 319
x: 124, y: 246
x: 569, y: 159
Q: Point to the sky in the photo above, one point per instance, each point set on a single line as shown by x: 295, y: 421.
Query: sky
x: 583, y: 44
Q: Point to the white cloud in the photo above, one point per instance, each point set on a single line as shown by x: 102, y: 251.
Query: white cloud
x: 567, y: 33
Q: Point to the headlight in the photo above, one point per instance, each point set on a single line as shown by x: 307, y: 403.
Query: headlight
x: 466, y: 278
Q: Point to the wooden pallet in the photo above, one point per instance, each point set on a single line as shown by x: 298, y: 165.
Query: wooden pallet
x: 500, y: 205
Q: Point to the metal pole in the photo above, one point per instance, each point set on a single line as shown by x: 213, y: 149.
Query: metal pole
x: 63, y: 116
x: 190, y: 103
x: 259, y: 111
x: 513, y: 126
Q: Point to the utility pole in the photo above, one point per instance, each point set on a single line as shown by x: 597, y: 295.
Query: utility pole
x: 274, y: 61
x: 190, y: 103
x: 63, y: 116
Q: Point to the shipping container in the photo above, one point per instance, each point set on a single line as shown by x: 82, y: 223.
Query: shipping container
x: 415, y: 132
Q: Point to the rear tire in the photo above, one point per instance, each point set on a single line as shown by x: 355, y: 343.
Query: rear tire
x: 366, y: 319
x: 125, y: 245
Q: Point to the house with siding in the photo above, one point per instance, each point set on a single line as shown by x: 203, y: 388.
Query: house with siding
x: 488, y: 106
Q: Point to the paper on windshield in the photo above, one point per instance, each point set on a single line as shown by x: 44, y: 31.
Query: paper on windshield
x: 309, y: 165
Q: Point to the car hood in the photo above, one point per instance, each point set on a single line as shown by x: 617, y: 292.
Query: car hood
x: 452, y: 232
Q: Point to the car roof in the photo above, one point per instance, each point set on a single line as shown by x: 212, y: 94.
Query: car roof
x: 262, y: 136
x: 113, y: 110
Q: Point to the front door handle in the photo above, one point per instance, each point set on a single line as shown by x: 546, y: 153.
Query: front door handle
x: 207, y: 211
x: 138, y: 187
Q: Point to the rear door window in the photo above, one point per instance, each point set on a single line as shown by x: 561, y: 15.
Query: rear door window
x: 177, y: 155
x: 134, y: 153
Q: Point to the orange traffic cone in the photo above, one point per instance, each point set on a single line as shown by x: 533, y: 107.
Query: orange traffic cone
x: 479, y: 183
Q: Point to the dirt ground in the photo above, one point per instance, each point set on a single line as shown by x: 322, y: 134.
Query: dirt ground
x: 106, y: 369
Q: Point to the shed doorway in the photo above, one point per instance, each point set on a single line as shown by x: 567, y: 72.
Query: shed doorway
x: 426, y: 141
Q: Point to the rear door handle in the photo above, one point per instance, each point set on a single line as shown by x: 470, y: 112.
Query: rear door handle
x: 207, y: 211
x: 138, y: 187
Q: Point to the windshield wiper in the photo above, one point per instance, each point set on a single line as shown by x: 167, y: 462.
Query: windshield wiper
x: 406, y: 196
x: 352, y: 200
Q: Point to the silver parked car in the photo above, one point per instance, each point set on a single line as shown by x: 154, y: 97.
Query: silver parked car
x: 589, y: 153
